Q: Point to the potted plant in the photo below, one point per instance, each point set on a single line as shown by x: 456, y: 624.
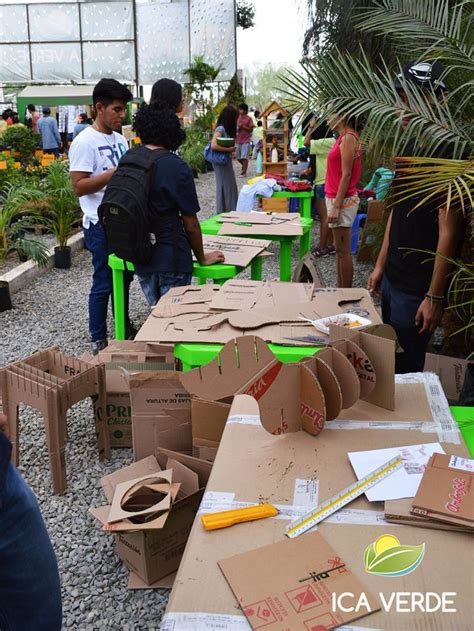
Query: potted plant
x: 16, y: 214
x: 61, y: 210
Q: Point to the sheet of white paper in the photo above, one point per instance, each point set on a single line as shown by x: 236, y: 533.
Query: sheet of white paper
x: 404, y: 482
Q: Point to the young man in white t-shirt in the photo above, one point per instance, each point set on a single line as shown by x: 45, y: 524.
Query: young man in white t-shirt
x: 93, y: 158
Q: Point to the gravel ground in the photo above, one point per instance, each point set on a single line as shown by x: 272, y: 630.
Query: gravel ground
x: 53, y: 311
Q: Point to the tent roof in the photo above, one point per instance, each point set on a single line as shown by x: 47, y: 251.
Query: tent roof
x: 57, y: 91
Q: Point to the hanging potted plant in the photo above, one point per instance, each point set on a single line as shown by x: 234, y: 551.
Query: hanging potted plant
x: 16, y: 214
x: 61, y: 210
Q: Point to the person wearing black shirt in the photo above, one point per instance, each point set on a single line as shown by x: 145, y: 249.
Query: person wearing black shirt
x: 173, y: 206
x: 413, y: 283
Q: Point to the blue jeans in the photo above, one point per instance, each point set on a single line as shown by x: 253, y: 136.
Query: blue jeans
x: 399, y: 310
x: 101, y: 290
x: 30, y: 591
x: 157, y: 284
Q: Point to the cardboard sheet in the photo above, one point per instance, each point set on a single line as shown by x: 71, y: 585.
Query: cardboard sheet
x: 253, y: 466
x: 399, y: 512
x: 185, y: 314
x: 283, y: 224
x: 290, y: 584
x: 237, y: 251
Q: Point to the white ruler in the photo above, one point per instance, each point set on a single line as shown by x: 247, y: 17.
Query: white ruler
x: 301, y: 524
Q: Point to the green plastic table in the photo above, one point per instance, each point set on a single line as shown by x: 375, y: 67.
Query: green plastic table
x: 464, y: 417
x: 304, y: 197
x: 212, y: 226
x: 193, y: 355
x: 218, y: 273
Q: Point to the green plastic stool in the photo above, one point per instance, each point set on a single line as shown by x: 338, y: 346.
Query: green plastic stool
x: 194, y: 355
x: 218, y: 273
x: 464, y: 417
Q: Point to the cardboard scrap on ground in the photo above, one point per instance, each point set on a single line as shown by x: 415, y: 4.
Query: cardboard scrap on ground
x: 295, y: 473
x: 240, y: 252
x: 152, y: 547
x: 291, y: 585
x: 282, y: 224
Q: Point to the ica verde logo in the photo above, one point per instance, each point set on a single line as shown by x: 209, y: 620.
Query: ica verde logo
x: 387, y: 557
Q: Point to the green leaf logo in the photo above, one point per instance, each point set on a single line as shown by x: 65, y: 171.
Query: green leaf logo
x: 387, y: 557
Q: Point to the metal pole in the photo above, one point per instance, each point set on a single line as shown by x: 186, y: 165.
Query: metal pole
x: 80, y: 38
x: 235, y: 33
x: 29, y: 40
x: 135, y: 35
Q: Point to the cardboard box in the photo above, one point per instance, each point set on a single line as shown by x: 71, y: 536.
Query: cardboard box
x: 297, y: 469
x: 451, y: 371
x: 118, y: 416
x: 152, y: 554
x: 161, y: 413
x: 375, y: 214
x: 130, y: 356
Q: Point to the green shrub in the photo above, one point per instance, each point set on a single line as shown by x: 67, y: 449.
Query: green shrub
x: 192, y: 150
x: 23, y: 140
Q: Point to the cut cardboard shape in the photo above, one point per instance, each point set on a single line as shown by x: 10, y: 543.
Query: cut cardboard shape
x: 282, y: 302
x: 362, y: 365
x: 237, y: 251
x: 52, y: 382
x: 290, y: 397
x: 124, y: 490
x: 285, y: 224
x: 379, y: 346
x: 208, y: 419
x: 301, y: 596
x: 329, y: 383
x: 235, y: 216
x: 201, y: 467
x: 345, y: 374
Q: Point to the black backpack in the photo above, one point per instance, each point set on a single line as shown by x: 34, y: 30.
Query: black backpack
x: 124, y: 211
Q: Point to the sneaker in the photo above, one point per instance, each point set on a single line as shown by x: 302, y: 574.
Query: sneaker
x: 130, y: 331
x: 97, y: 346
x: 318, y: 253
x: 331, y: 250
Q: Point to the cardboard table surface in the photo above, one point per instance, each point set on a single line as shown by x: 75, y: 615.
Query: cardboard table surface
x: 298, y: 469
x: 212, y: 226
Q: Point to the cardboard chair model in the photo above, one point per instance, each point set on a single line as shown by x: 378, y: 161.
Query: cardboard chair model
x: 292, y: 396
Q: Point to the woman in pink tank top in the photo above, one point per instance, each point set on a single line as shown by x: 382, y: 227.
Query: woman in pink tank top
x: 344, y: 164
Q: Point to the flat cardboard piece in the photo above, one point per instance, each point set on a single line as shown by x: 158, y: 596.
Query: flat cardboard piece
x: 399, y: 512
x: 290, y: 397
x: 380, y: 350
x: 237, y: 251
x: 283, y: 224
x: 253, y: 217
x: 242, y: 295
x: 290, y: 584
x: 252, y: 466
x: 446, y: 491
